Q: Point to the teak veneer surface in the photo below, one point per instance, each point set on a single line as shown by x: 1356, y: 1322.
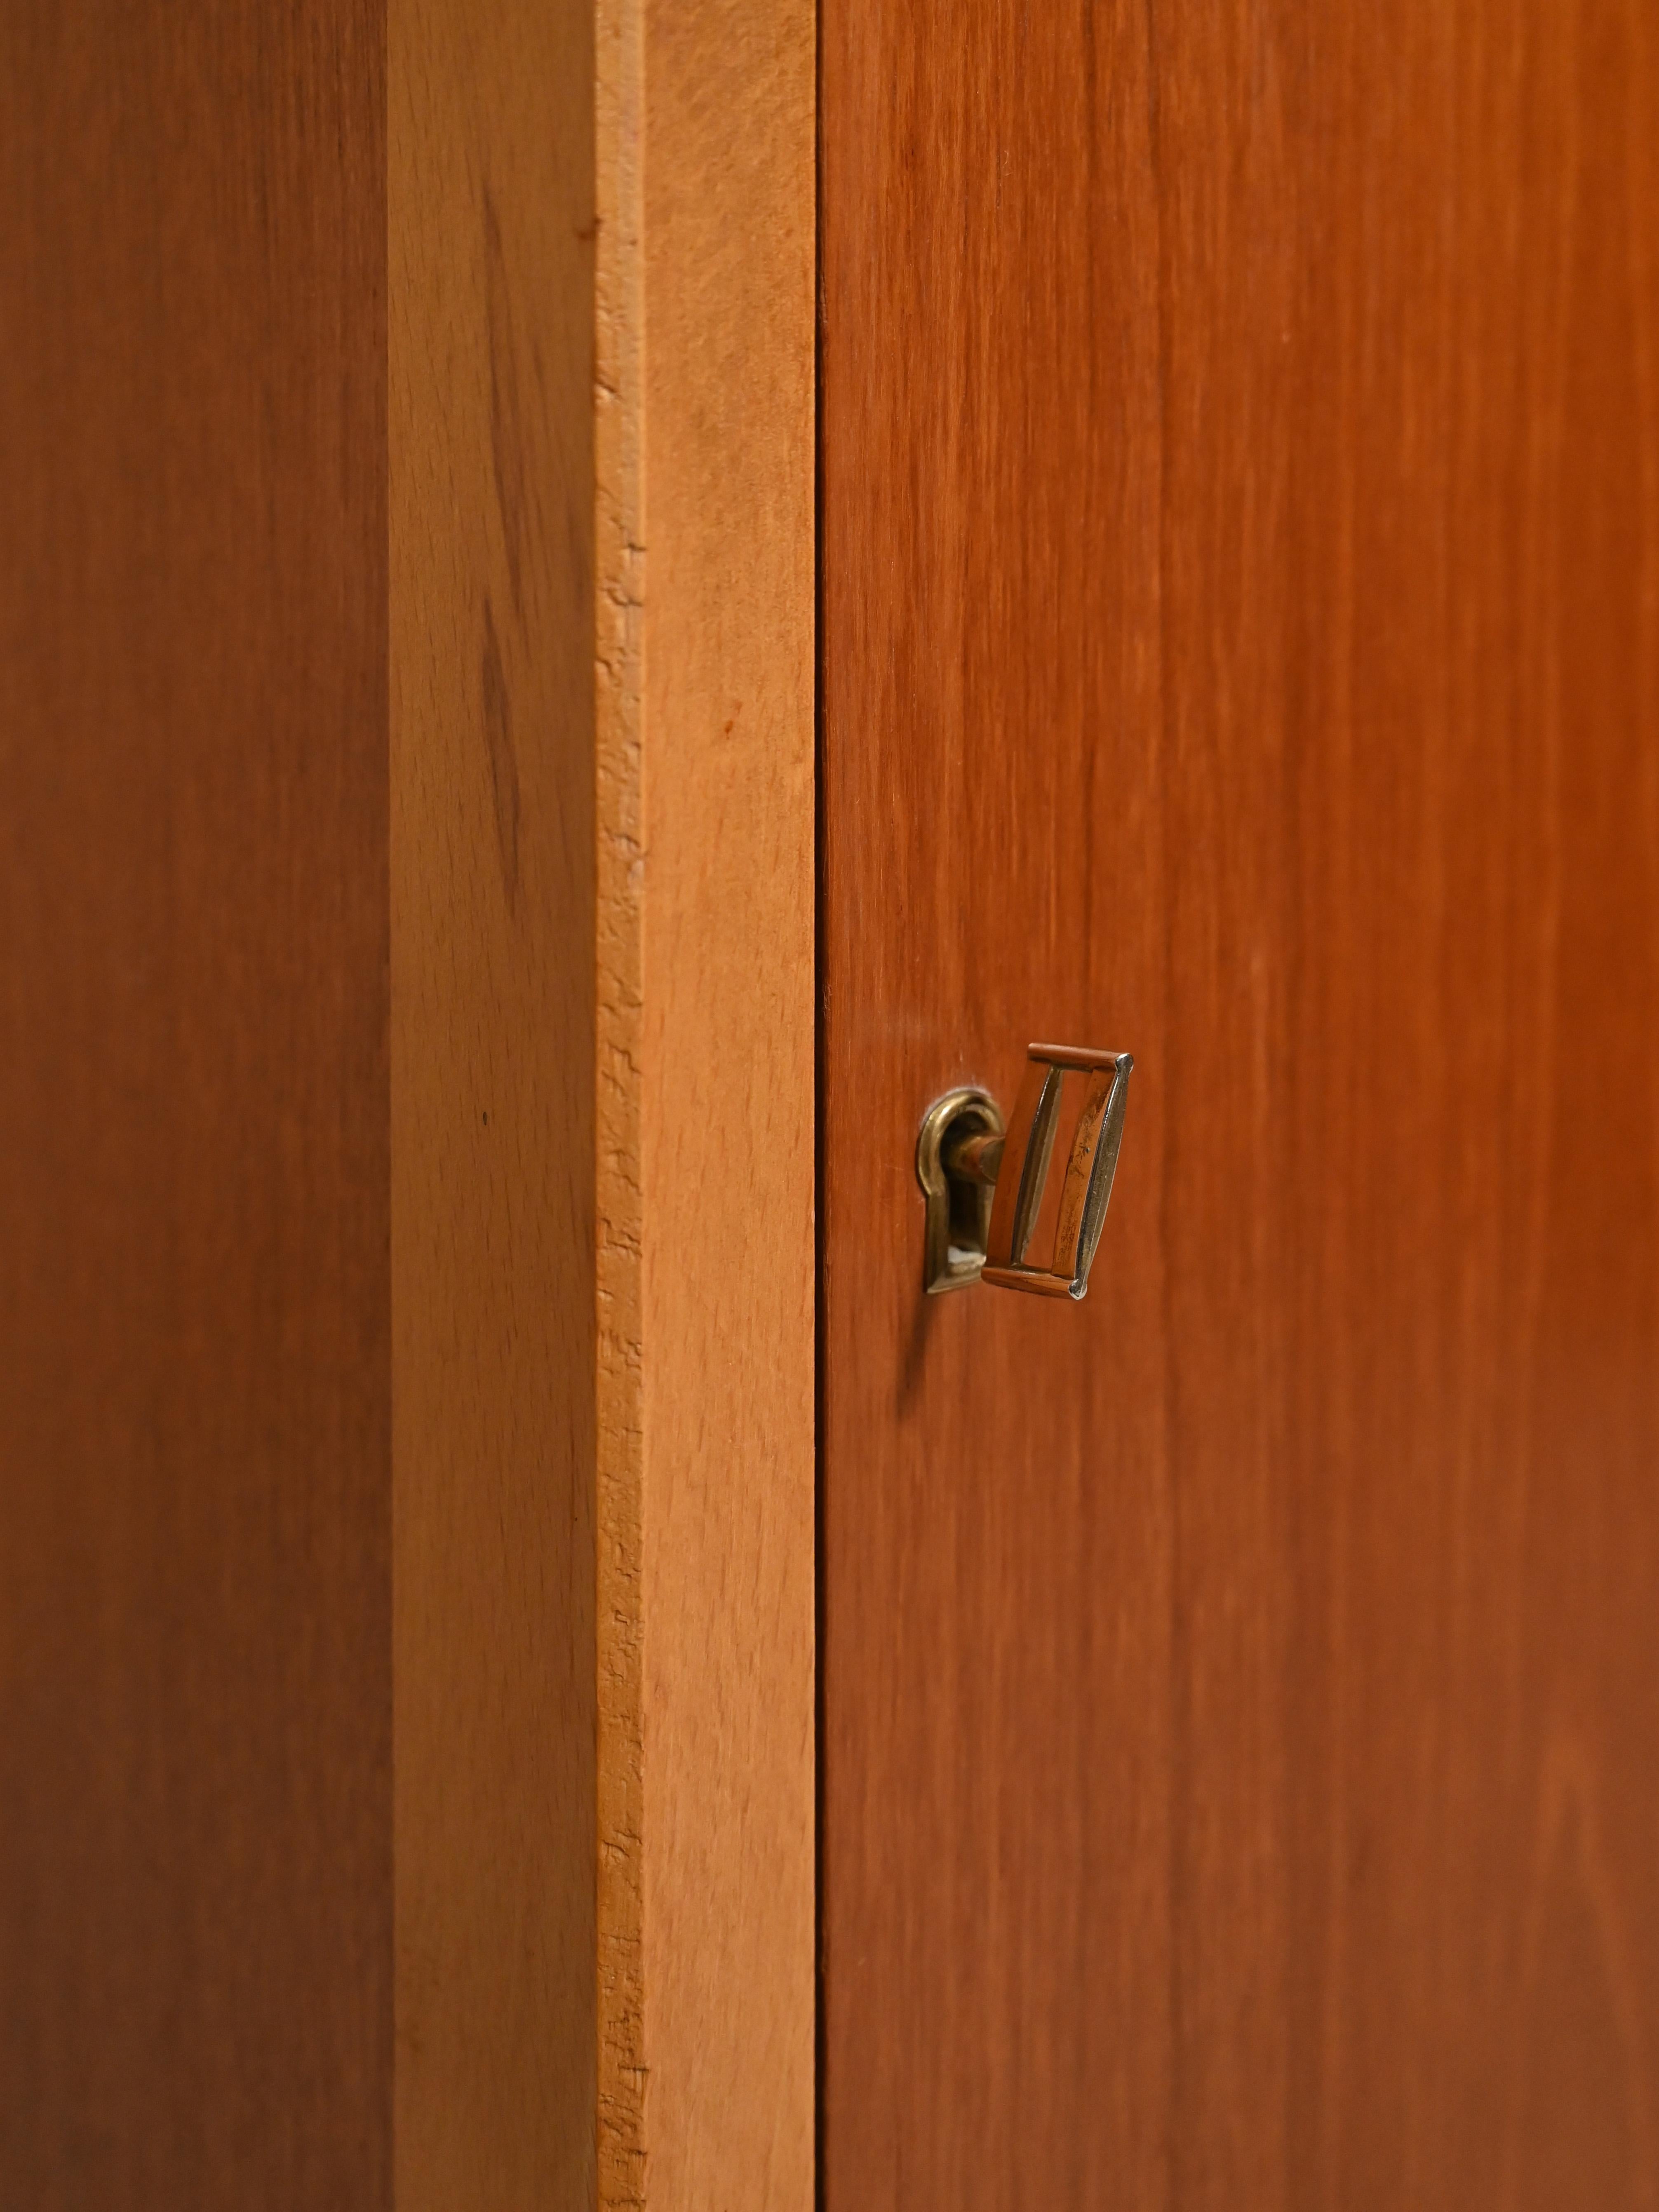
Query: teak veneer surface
x: 195, y: 1363
x: 1239, y: 601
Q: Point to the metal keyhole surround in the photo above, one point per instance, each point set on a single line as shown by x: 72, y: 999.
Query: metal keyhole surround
x: 983, y: 1185
x: 959, y: 1202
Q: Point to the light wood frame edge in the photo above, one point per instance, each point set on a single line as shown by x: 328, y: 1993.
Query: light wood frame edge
x: 619, y: 659
x: 603, y: 1309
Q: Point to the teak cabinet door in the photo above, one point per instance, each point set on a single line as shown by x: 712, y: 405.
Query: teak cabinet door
x: 1240, y: 646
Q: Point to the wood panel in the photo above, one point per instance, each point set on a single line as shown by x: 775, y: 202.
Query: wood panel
x: 602, y: 467
x: 492, y: 936
x: 384, y: 1364
x: 195, y: 1648
x: 1241, y: 514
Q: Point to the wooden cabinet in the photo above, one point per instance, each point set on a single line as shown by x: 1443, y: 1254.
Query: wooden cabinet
x: 536, y: 1667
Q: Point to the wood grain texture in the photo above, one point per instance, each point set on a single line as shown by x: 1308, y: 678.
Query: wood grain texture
x: 334, y: 1421
x: 1240, y: 646
x: 706, y: 1152
x: 602, y: 458
x: 491, y: 218
x: 195, y: 1543
x: 726, y: 1164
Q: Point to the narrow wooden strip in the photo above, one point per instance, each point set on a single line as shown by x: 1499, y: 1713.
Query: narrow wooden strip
x: 619, y: 437
x: 493, y: 1100
x: 726, y: 1161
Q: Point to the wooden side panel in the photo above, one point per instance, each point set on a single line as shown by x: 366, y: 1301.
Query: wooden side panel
x: 1241, y: 646
x: 492, y: 517
x: 195, y: 1566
